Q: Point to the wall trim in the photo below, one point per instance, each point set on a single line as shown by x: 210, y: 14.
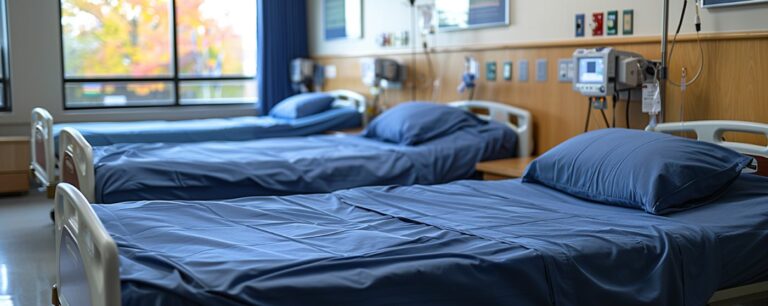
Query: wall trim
x: 627, y: 40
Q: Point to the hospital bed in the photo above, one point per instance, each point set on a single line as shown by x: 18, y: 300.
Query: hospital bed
x: 462, y: 243
x: 348, y: 112
x: 282, y: 166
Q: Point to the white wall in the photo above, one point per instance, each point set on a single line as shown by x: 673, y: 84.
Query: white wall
x: 36, y: 78
x: 531, y: 20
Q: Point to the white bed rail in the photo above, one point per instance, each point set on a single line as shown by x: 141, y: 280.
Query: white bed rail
x: 351, y: 99
x: 87, y: 258
x: 712, y: 131
x: 76, y: 162
x: 501, y: 113
x: 42, y: 161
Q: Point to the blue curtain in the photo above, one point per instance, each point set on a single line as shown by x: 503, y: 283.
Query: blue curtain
x: 282, y: 37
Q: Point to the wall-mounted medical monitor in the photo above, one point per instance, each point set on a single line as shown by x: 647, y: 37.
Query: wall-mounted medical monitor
x: 720, y: 3
x: 453, y: 15
x: 591, y: 70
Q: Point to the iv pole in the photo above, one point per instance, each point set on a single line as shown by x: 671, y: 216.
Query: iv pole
x: 663, y: 68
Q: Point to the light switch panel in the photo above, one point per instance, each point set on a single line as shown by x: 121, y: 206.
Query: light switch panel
x: 522, y: 67
x: 565, y: 70
x: 541, y: 70
x: 490, y: 71
x: 507, y: 71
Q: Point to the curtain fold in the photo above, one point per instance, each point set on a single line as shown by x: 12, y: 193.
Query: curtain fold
x: 282, y: 37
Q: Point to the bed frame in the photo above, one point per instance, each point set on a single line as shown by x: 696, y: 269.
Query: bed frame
x: 502, y: 113
x: 43, y: 163
x: 87, y: 257
x: 76, y: 154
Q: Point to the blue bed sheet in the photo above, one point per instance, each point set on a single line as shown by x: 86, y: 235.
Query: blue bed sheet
x: 222, y: 129
x: 463, y: 243
x: 281, y: 166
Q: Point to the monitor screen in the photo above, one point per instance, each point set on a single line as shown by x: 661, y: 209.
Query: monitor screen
x: 591, y: 70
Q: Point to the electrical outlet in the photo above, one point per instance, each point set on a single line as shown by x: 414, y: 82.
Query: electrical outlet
x: 579, y: 25
x: 541, y: 70
x: 565, y: 70
x: 330, y: 72
x: 490, y: 71
x: 522, y: 67
x: 597, y: 24
x: 507, y: 71
x: 629, y: 22
x: 612, y: 23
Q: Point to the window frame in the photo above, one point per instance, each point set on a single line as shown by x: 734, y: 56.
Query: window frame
x: 5, y: 60
x: 175, y: 79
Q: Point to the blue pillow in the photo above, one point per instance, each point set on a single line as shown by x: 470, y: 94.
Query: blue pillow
x: 656, y: 172
x: 302, y: 105
x: 413, y: 123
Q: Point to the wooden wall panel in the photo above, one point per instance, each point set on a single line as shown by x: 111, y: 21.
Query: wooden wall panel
x: 734, y: 84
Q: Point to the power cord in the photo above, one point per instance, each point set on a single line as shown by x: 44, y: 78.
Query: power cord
x: 589, y: 115
x: 626, y: 110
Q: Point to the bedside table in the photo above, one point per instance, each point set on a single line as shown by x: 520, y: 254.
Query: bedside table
x: 503, y: 169
x: 14, y: 165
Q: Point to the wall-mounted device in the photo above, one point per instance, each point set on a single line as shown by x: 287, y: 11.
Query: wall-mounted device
x: 522, y: 73
x: 469, y: 76
x: 490, y: 71
x: 579, y: 25
x: 565, y: 70
x: 306, y: 76
x: 597, y: 24
x: 542, y: 65
x: 602, y: 72
x: 382, y: 72
x: 628, y: 26
x: 507, y: 71
x: 605, y: 72
x: 612, y: 23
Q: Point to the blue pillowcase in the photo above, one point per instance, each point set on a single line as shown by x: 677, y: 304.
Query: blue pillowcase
x: 302, y: 105
x: 413, y: 123
x: 656, y: 172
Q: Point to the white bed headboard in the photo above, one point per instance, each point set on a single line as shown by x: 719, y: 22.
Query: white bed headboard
x: 76, y: 162
x: 500, y: 112
x: 42, y: 161
x: 351, y: 99
x: 712, y: 131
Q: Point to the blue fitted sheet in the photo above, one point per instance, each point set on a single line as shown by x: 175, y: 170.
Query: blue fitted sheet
x: 221, y: 129
x: 281, y: 166
x: 463, y: 243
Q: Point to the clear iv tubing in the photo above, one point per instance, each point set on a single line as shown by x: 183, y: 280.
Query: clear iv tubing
x: 701, y: 54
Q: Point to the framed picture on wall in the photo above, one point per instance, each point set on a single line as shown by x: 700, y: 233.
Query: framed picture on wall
x: 342, y: 19
x: 719, y: 3
x: 453, y: 15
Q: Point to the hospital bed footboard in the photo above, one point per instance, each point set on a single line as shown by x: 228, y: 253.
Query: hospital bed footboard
x: 42, y: 161
x: 713, y: 131
x: 502, y: 113
x: 76, y: 162
x: 87, y: 258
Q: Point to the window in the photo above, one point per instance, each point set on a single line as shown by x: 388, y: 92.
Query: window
x: 123, y: 53
x: 5, y: 94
